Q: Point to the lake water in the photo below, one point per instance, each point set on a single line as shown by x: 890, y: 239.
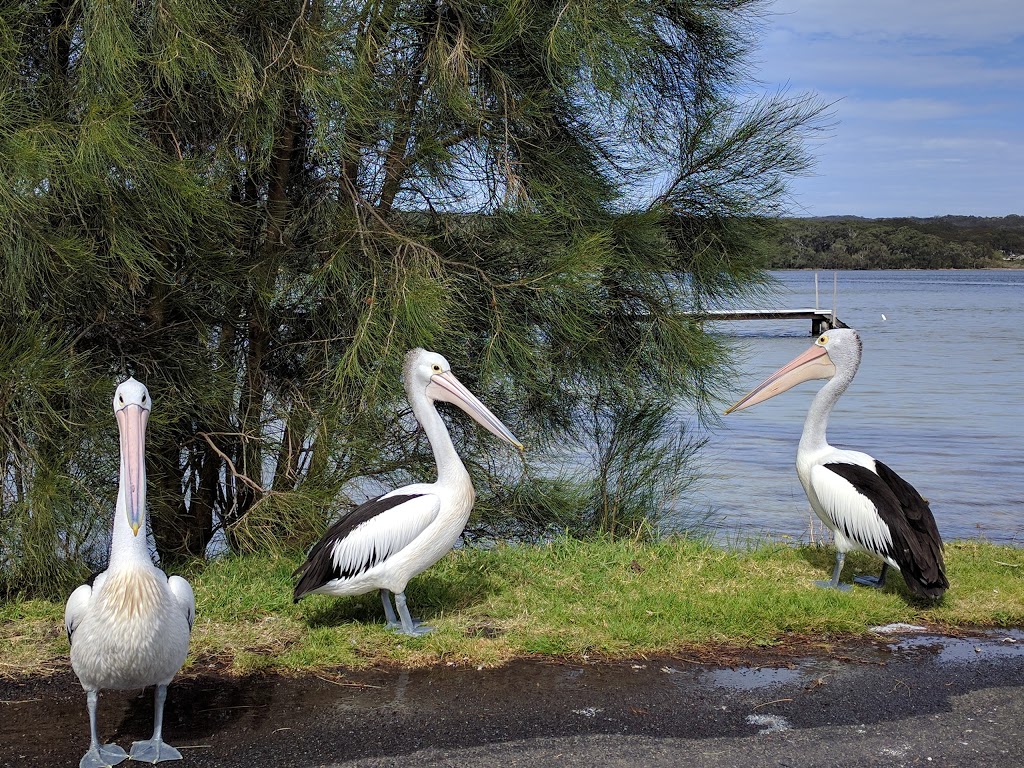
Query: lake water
x: 939, y: 397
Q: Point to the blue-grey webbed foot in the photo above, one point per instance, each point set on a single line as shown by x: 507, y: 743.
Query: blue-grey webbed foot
x: 409, y: 626
x: 868, y: 581
x: 99, y: 755
x: 834, y: 583
x: 873, y: 581
x: 153, y: 751
x: 419, y: 629
x: 103, y: 756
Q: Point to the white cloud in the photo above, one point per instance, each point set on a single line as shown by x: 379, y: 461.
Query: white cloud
x: 958, y: 23
x: 926, y: 97
x: 901, y: 109
x: 847, y: 64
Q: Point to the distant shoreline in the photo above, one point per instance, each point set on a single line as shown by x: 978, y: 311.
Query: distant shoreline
x: 1000, y: 268
x: 946, y: 242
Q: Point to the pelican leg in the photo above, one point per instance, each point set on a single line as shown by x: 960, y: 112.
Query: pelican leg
x: 834, y: 583
x: 389, y: 611
x: 409, y: 627
x: 154, y: 750
x: 99, y: 756
x: 873, y: 581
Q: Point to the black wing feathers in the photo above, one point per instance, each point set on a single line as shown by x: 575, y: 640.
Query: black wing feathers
x: 917, y: 545
x: 319, y: 567
x: 868, y: 484
x: 925, y: 539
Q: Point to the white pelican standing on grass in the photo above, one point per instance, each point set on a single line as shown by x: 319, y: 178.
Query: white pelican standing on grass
x: 383, y: 543
x: 130, y: 628
x: 866, y: 505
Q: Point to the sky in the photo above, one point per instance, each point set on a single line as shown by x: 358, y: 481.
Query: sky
x: 928, y: 103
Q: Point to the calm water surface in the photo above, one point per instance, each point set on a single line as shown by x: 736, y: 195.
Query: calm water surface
x: 939, y: 397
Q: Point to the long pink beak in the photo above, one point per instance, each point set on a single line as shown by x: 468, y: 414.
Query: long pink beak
x: 445, y: 386
x: 131, y: 423
x: 812, y: 364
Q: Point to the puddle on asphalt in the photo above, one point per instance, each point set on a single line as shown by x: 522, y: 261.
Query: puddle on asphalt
x: 899, y: 639
x: 751, y: 678
x: 755, y: 678
x: 996, y: 644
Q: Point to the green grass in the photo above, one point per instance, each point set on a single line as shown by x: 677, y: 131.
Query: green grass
x: 567, y: 599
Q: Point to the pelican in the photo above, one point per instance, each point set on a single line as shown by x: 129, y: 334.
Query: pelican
x: 868, y: 507
x: 384, y: 542
x: 129, y: 628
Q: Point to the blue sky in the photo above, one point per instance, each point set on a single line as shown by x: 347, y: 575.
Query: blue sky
x: 929, y: 103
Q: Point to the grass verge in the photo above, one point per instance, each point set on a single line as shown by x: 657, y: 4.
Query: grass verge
x: 566, y: 599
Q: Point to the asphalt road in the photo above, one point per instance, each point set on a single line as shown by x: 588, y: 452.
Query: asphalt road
x: 916, y: 700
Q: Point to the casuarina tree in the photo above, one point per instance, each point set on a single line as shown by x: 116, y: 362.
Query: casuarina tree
x: 257, y: 207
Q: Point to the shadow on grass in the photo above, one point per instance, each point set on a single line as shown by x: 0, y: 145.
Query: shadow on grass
x: 329, y: 611
x: 823, y: 559
x: 428, y: 596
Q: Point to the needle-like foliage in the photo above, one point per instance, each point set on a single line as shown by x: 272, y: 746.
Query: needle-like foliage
x: 257, y: 207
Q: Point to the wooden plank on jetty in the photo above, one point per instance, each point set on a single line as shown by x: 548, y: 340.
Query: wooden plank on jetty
x: 821, y: 319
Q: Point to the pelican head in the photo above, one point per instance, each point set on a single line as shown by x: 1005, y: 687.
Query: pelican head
x: 131, y: 408
x: 430, y: 373
x: 835, y: 350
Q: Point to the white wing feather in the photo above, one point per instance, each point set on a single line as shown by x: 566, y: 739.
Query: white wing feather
x: 182, y: 591
x: 77, y: 605
x: 388, y: 532
x: 853, y: 513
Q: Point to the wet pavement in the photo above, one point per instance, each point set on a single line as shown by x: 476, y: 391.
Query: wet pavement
x: 897, y: 699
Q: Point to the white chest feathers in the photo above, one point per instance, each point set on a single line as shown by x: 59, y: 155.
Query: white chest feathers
x: 133, y: 633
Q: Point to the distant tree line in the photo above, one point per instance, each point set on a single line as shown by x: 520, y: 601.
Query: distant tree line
x: 849, y: 242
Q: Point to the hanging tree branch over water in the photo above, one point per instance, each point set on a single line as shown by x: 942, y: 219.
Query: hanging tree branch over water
x: 256, y: 208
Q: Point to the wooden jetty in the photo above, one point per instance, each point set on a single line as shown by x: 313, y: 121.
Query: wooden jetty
x: 821, y: 319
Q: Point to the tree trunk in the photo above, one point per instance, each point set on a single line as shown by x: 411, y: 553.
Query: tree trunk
x: 165, y: 499
x: 260, y: 325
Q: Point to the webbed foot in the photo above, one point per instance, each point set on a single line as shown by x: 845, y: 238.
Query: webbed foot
x: 873, y: 581
x: 868, y: 581
x: 417, y: 630
x: 409, y: 625
x: 103, y: 756
x: 153, y: 751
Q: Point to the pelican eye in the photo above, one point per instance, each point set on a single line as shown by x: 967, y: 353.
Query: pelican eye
x: 823, y: 339
x: 435, y: 368
x: 120, y: 398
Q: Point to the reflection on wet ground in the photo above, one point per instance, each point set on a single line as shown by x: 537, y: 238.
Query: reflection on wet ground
x: 895, y: 639
x: 750, y: 678
x: 991, y: 645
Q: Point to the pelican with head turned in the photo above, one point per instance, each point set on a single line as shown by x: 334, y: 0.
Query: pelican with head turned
x: 386, y: 541
x: 866, y: 505
x: 130, y: 627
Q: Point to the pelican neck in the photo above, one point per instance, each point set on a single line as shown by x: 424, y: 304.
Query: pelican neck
x: 450, y: 469
x: 816, y: 422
